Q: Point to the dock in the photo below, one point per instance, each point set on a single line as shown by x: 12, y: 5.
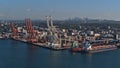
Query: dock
x: 43, y: 45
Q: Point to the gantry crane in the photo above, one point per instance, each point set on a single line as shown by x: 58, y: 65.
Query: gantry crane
x: 31, y: 33
x: 15, y: 34
x: 51, y: 28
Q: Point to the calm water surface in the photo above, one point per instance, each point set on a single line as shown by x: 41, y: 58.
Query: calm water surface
x: 14, y: 54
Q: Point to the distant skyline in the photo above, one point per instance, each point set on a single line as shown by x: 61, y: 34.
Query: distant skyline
x: 60, y: 9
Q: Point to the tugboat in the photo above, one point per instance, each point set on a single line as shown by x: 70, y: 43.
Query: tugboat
x: 75, y: 47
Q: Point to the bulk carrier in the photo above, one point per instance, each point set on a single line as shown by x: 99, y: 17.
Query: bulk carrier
x: 89, y: 48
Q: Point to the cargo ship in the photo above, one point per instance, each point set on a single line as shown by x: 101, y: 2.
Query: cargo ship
x: 88, y: 48
x: 100, y: 48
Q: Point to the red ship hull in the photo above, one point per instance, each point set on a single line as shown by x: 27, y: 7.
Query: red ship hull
x: 76, y: 49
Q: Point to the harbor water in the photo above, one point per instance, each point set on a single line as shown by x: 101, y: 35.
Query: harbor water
x: 15, y: 54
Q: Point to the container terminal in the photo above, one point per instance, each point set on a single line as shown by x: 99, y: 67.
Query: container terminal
x: 59, y: 39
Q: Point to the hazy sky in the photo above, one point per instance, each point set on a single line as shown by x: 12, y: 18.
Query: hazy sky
x: 60, y: 9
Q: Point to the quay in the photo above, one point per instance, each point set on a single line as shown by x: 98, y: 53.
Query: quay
x: 44, y: 45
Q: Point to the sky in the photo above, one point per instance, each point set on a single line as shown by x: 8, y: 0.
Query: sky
x: 60, y: 9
